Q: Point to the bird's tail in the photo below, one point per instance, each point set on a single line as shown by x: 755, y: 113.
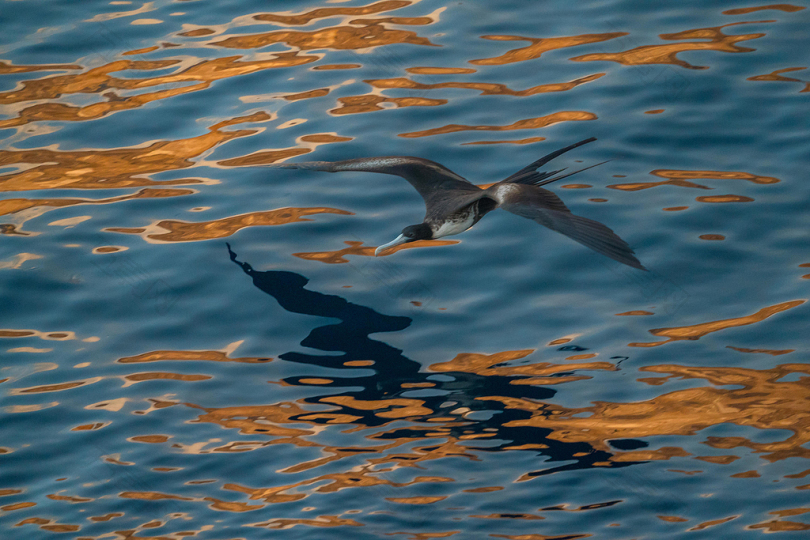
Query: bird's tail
x: 529, y: 175
x: 544, y: 181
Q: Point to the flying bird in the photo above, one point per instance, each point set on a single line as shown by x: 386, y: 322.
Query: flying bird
x: 453, y: 204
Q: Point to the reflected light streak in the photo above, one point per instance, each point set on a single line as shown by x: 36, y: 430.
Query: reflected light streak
x: 184, y: 231
x: 115, y: 168
x: 539, y: 46
x: 682, y: 178
x: 307, y: 17
x: 333, y: 38
x: 777, y: 76
x: 486, y: 89
x: 358, y: 249
x: 697, y: 331
x: 528, y: 123
x: 716, y: 40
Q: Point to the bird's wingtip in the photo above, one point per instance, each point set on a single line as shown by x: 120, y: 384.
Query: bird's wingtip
x: 638, y: 266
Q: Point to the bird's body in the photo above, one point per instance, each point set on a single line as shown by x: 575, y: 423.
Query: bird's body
x: 457, y: 223
x: 453, y: 204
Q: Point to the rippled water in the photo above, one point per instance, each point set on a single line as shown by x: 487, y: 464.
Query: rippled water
x: 196, y: 346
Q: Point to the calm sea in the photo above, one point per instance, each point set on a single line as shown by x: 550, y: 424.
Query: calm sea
x: 193, y: 345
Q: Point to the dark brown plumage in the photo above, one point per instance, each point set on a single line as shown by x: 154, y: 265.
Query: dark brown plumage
x: 453, y: 204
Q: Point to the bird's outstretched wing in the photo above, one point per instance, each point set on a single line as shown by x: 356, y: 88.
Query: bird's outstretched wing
x: 547, y: 209
x: 428, y: 177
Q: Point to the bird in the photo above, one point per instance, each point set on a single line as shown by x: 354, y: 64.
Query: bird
x: 453, y: 204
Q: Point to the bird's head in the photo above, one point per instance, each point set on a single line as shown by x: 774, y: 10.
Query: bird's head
x: 410, y: 233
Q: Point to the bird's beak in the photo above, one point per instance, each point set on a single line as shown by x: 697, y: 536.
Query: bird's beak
x: 401, y: 239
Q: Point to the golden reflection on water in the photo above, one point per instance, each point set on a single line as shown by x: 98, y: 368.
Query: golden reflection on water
x: 67, y: 113
x: 116, y: 168
x: 7, y: 68
x: 714, y: 175
x: 439, y: 70
x: 528, y: 123
x: 334, y: 67
x: 724, y: 199
x: 48, y: 388
x: 12, y: 230
x: 717, y: 40
x: 49, y: 525
x: 763, y: 351
x: 486, y: 89
x: 336, y: 38
x: 371, y: 103
x: 306, y: 143
x: 682, y: 178
x: 697, y: 331
x: 539, y: 46
x: 761, y: 399
x: 23, y: 210
x: 50, y: 336
x: 764, y: 402
x: 320, y: 521
x: 358, y: 249
x: 489, y: 365
x: 166, y: 376
x: 199, y: 356
x: 99, y: 79
x: 528, y: 140
x: 108, y: 249
x: 788, y: 8
x: 777, y: 76
x: 323, y: 13
x: 168, y: 230
x: 775, y: 398
x: 318, y: 92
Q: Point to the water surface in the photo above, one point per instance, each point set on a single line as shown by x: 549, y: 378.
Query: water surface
x: 195, y: 346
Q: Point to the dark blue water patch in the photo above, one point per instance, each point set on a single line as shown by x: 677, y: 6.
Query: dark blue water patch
x: 30, y: 307
x: 20, y: 22
x: 481, y: 416
x: 44, y: 439
x: 793, y: 377
x: 204, y: 15
x: 90, y: 41
x: 627, y: 444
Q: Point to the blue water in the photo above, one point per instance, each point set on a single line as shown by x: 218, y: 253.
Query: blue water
x: 193, y: 345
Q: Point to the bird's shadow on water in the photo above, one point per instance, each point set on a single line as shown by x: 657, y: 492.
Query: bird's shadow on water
x: 350, y: 336
x: 395, y: 377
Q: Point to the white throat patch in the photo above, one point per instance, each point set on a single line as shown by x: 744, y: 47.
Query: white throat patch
x: 449, y: 228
